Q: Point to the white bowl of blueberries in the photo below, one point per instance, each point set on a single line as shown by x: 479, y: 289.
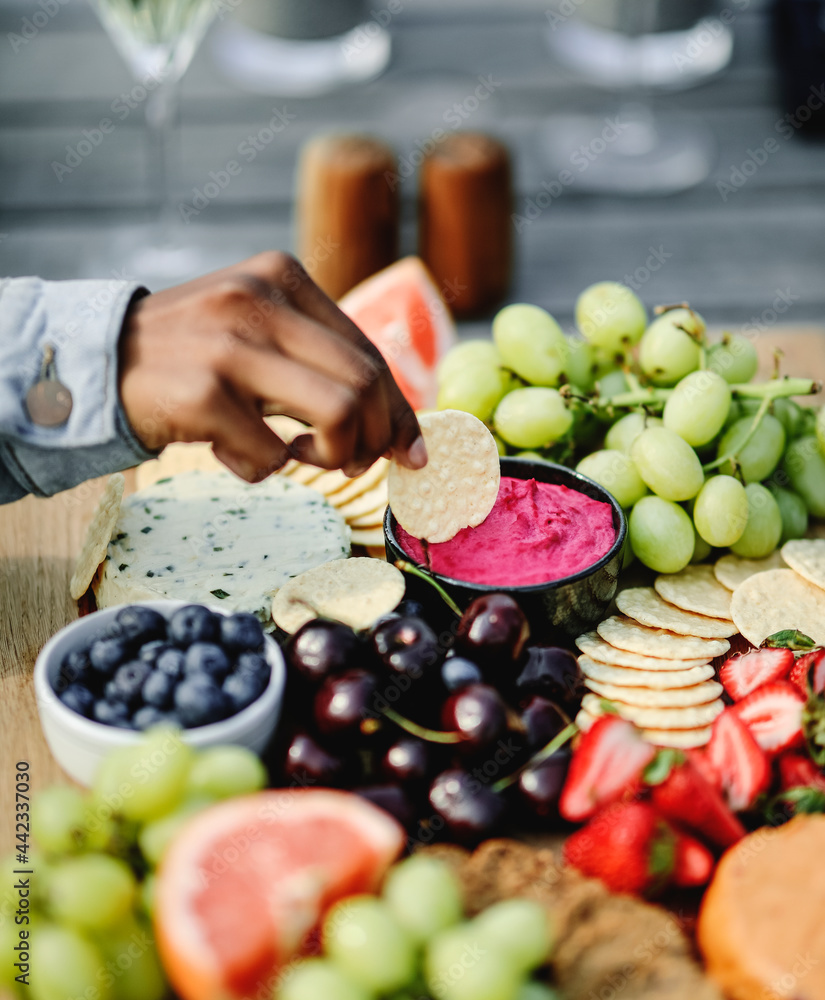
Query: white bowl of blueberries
x: 108, y: 676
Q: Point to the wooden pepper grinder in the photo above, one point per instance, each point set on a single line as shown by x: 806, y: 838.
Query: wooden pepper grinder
x: 347, y: 214
x: 465, y: 229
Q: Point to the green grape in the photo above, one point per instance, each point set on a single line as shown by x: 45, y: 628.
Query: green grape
x: 466, y: 354
x: 610, y: 316
x: 319, y: 979
x: 624, y: 432
x: 667, y: 464
x: 223, y: 771
x: 147, y: 893
x: 91, y: 891
x: 531, y: 343
x: 580, y: 365
x: 804, y: 465
x: 475, y: 389
x: 532, y: 418
x: 793, y: 511
x: 721, y: 511
x: 424, y: 896
x: 628, y: 555
x: 807, y: 421
x: 661, y: 534
x: 612, y: 383
x: 697, y: 408
x: 155, y: 836
x: 764, y: 527
x: 519, y: 928
x: 789, y: 414
x: 9, y: 937
x: 58, y: 819
x: 669, y: 349
x: 534, y: 456
x: 820, y: 429
x: 144, y: 781
x: 701, y: 549
x: 761, y: 454
x: 132, y: 965
x: 65, y: 964
x: 531, y: 990
x: 616, y: 472
x: 734, y: 358
x: 460, y: 964
x: 501, y: 447
x: 363, y: 937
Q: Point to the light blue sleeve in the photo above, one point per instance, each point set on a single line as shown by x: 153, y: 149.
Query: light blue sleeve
x: 81, y: 321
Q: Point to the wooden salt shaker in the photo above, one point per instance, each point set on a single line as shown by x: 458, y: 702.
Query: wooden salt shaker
x: 465, y: 229
x: 347, y: 210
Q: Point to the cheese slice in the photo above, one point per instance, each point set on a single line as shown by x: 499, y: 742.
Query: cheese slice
x: 208, y: 537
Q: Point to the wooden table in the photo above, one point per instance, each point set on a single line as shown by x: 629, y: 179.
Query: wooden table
x: 39, y: 540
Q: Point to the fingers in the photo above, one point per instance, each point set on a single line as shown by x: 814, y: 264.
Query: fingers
x: 242, y: 441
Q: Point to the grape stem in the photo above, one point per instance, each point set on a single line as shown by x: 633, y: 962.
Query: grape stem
x: 773, y: 389
x: 422, y: 732
x: 754, y: 427
x: 413, y: 570
x: 554, y: 745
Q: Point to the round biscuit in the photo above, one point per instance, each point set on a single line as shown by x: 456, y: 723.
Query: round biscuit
x: 689, y: 717
x: 592, y: 645
x: 643, y: 697
x: 645, y: 606
x: 661, y: 680
x: 696, y: 589
x: 625, y: 633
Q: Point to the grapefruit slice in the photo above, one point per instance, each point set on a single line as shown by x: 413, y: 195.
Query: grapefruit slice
x: 402, y: 312
x: 246, y: 881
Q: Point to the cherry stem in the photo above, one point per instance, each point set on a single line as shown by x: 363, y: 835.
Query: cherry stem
x: 552, y: 747
x: 408, y: 567
x: 422, y: 732
x: 754, y: 427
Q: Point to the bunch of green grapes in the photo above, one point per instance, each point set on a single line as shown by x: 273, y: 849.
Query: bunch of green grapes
x: 93, y: 861
x: 413, y: 941
x: 699, y: 455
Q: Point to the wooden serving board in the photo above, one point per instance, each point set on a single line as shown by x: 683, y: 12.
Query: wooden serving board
x: 39, y: 541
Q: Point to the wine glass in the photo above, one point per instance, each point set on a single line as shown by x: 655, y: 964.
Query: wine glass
x: 157, y: 39
x: 635, y: 48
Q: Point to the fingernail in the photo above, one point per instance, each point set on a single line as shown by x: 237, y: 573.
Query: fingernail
x: 417, y: 453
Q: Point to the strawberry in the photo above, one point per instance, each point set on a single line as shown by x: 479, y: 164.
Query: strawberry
x: 745, y: 672
x: 798, y: 771
x: 607, y: 763
x: 809, y: 666
x: 740, y: 762
x: 628, y: 846
x: 700, y: 759
x: 685, y: 797
x: 773, y: 713
x: 693, y: 863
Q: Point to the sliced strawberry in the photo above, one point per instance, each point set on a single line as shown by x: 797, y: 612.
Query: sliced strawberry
x: 738, y: 759
x: 773, y: 713
x: 798, y: 771
x: 607, y: 763
x: 685, y: 797
x: 693, y: 864
x: 700, y: 759
x: 745, y: 672
x: 809, y: 666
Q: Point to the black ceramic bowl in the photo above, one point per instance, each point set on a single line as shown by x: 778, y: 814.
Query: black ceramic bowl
x: 567, y: 606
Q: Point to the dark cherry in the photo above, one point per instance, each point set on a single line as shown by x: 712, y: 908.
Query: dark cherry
x: 457, y: 672
x: 470, y: 810
x: 478, y: 713
x: 322, y: 648
x: 308, y: 763
x: 344, y: 704
x: 540, y: 786
x: 392, y: 799
x: 492, y: 632
x: 552, y: 673
x: 407, y: 760
x: 542, y: 721
x: 407, y: 646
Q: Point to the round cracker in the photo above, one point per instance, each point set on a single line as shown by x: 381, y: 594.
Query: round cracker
x: 656, y: 679
x: 98, y: 536
x: 354, y: 591
x: 584, y: 720
x: 644, y: 697
x: 679, y: 739
x: 367, y: 503
x: 806, y: 556
x: 661, y: 718
x: 373, y: 520
x: 644, y: 605
x: 592, y: 645
x: 732, y: 570
x: 696, y: 589
x: 375, y: 475
x: 775, y: 600
x: 367, y: 536
x: 458, y: 486
x: 625, y: 633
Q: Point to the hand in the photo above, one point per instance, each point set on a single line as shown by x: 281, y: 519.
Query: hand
x: 206, y: 361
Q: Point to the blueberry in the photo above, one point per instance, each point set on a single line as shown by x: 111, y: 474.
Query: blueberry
x: 151, y: 650
x: 106, y: 655
x: 193, y: 623
x: 253, y: 663
x: 199, y: 701
x: 206, y: 658
x: 129, y: 680
x: 171, y: 662
x: 140, y: 624
x: 112, y: 714
x: 76, y: 668
x: 242, y: 689
x: 110, y: 692
x: 241, y: 631
x: 79, y: 699
x: 148, y: 716
x: 158, y: 689
x: 457, y: 673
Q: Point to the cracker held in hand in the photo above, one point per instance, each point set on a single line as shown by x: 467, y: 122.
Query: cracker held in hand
x: 775, y: 600
x: 98, y: 536
x: 696, y: 589
x: 645, y: 606
x: 732, y: 570
x: 592, y: 645
x: 356, y: 592
x: 625, y: 633
x: 659, y: 680
x: 458, y: 486
x: 806, y: 556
